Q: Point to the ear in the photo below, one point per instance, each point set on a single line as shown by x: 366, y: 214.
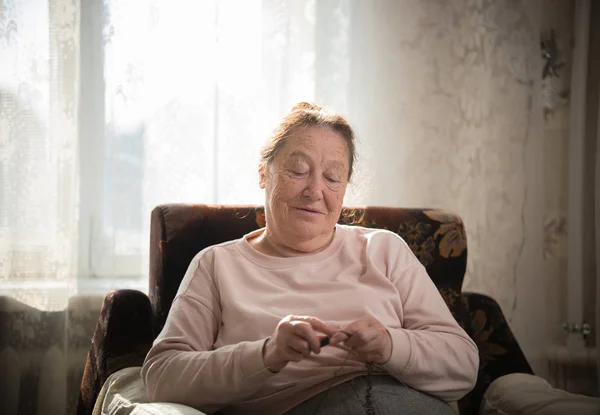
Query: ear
x: 262, y: 175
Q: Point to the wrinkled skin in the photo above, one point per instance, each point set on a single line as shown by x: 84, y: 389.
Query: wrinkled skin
x: 304, y: 187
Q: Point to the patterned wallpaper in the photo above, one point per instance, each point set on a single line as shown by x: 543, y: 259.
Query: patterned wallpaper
x: 455, y: 104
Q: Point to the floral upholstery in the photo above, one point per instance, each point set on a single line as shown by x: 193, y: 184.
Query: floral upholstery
x: 123, y: 336
x: 499, y: 352
x: 179, y: 232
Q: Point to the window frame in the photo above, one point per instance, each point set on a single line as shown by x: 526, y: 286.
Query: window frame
x: 94, y: 263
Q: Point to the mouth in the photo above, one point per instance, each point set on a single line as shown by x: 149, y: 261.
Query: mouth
x: 309, y: 210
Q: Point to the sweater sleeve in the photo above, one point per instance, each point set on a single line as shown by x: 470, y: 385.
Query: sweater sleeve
x: 183, y: 366
x: 431, y: 352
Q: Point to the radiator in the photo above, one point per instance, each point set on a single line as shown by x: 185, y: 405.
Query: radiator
x: 42, y: 355
x: 573, y: 371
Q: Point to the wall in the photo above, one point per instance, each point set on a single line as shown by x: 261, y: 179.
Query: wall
x: 455, y: 120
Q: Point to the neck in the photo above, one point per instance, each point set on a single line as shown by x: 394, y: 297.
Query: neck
x: 268, y: 243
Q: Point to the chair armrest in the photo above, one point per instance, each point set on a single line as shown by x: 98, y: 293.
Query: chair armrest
x: 123, y: 336
x: 124, y: 392
x: 499, y: 352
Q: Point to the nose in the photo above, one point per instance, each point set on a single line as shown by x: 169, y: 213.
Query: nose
x: 314, y: 188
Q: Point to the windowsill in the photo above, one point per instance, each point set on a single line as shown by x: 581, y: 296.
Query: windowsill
x: 52, y: 295
x: 101, y: 286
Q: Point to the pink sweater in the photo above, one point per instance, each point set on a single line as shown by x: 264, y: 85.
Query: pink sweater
x: 209, y: 354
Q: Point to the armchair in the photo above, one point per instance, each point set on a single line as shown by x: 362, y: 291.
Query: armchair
x: 130, y: 320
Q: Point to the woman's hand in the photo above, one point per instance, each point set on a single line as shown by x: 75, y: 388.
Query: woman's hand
x: 294, y: 339
x: 368, y: 338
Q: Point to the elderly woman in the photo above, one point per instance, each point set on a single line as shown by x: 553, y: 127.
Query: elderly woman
x: 307, y: 316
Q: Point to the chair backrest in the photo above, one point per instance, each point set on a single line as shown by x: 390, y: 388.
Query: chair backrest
x: 180, y: 231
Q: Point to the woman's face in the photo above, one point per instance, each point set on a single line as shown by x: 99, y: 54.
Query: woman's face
x: 305, y: 186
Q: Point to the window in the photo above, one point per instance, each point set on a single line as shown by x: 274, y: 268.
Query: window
x: 177, y: 98
x: 136, y: 103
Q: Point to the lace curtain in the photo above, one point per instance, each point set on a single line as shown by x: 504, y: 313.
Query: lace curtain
x: 39, y: 175
x: 108, y: 108
x: 112, y: 107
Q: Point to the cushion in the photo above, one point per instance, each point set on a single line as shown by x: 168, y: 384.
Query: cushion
x: 520, y: 393
x: 123, y: 393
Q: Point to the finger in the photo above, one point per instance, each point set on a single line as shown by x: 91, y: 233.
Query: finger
x: 318, y: 324
x: 358, y: 325
x: 305, y: 331
x: 361, y: 338
x: 300, y: 345
x: 350, y: 330
x: 339, y: 337
x: 323, y: 327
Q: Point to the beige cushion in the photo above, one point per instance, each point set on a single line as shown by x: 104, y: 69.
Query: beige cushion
x: 519, y: 393
x: 123, y: 393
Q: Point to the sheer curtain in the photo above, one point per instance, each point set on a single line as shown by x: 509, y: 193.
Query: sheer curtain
x: 112, y: 107
x: 39, y: 66
x: 191, y: 91
x: 108, y: 108
x: 39, y: 194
